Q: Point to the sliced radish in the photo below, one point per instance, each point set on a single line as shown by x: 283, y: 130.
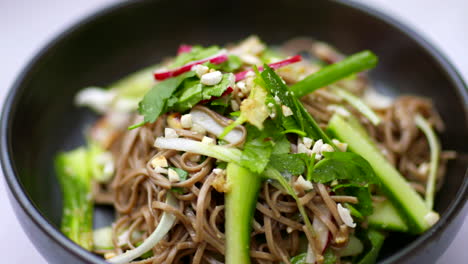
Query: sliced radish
x: 320, y: 228
x: 241, y: 75
x: 184, y: 49
x: 218, y: 58
x: 310, y: 256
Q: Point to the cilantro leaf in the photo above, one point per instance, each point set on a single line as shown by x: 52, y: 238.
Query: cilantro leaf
x: 294, y: 164
x: 282, y: 145
x: 373, y: 243
x: 218, y: 89
x: 299, y: 259
x: 188, y: 96
x: 301, y: 120
x: 344, y: 166
x: 232, y: 64
x: 257, y: 149
x: 155, y: 101
x: 362, y: 193
x: 329, y: 257
x: 196, y: 53
x: 277, y: 88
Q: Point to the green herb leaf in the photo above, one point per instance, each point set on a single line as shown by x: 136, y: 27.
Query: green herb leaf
x: 301, y: 120
x: 329, y: 257
x: 189, y: 95
x: 299, y: 259
x: 344, y: 166
x: 178, y: 190
x: 155, y: 101
x: 257, y: 149
x: 221, y: 165
x: 362, y: 193
x: 374, y: 240
x: 294, y: 164
x: 196, y: 53
x: 282, y: 145
x: 270, y: 56
x: 232, y: 64
x: 218, y: 89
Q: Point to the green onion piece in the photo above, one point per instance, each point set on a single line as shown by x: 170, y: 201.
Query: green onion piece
x: 74, y: 176
x: 358, y: 104
x: 434, y: 145
x: 356, y: 63
x: 164, y: 226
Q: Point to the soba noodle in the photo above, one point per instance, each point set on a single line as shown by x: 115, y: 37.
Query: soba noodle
x: 137, y: 192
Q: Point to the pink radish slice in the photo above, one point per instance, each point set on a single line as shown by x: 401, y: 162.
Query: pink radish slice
x: 216, y: 59
x: 241, y: 75
x: 320, y: 228
x: 184, y: 49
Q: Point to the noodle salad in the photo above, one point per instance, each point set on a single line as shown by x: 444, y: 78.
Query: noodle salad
x: 252, y: 154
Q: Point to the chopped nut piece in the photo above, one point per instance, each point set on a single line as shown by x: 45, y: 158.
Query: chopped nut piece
x: 307, y: 142
x: 317, y: 146
x: 220, y: 183
x: 159, y: 161
x: 198, y: 129
x: 173, y: 175
x: 211, y: 78
x: 160, y: 170
x: 301, y: 185
x: 200, y: 70
x: 186, y: 121
x: 208, y: 140
x: 342, y: 146
x: 345, y: 215
x: 326, y: 148
x: 286, y: 110
x: 170, y: 133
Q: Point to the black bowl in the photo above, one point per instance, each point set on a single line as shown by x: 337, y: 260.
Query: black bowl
x: 39, y: 118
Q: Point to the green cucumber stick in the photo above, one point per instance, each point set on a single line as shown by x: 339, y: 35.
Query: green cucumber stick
x: 409, y: 204
x: 355, y: 63
x: 240, y: 203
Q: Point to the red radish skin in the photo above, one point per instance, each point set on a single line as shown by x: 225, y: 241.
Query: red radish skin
x: 216, y: 59
x: 184, y: 49
x: 241, y: 75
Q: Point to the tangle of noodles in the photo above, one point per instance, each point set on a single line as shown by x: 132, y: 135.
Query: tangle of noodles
x: 137, y: 192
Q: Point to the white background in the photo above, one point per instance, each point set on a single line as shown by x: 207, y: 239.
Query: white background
x: 26, y: 26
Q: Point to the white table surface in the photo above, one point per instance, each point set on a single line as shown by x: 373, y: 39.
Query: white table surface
x: 26, y: 26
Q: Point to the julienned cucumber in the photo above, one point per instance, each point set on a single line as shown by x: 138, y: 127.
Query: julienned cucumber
x: 409, y: 204
x: 240, y: 203
x: 386, y: 217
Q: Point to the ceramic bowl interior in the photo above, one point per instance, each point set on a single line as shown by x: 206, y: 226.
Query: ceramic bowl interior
x: 40, y: 118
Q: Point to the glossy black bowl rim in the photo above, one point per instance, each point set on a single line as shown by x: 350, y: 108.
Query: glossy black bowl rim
x: 54, y: 234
